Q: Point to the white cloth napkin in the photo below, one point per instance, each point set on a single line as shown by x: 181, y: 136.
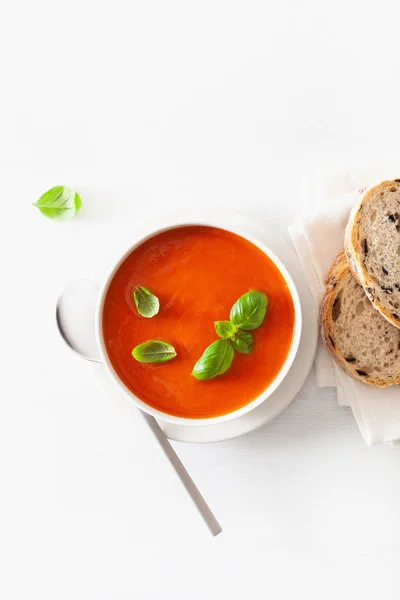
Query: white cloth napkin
x: 318, y: 236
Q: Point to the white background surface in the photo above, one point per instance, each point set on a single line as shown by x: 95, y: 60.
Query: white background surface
x: 146, y: 106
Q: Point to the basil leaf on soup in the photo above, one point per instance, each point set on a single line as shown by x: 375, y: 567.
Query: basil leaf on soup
x: 147, y: 304
x: 154, y: 351
x: 59, y: 203
x: 215, y: 360
x: 242, y: 342
x: 249, y: 311
x: 225, y: 329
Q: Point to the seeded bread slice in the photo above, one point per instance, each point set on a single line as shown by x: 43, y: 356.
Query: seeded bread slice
x: 362, y: 342
x: 372, y: 246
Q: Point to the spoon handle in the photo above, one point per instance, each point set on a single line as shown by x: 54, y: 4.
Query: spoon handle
x: 201, y: 505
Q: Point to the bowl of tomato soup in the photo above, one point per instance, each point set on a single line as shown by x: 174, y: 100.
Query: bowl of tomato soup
x: 197, y: 269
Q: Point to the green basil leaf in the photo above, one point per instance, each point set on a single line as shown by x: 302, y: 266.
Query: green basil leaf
x: 215, y: 360
x: 242, y: 342
x: 59, y: 203
x: 225, y: 329
x: 154, y: 351
x: 147, y: 304
x: 249, y: 311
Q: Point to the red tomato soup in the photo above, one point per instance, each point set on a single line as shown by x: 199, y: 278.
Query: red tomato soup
x: 197, y: 273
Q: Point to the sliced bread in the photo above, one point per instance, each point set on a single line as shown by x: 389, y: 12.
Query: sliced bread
x: 372, y: 246
x: 364, y: 344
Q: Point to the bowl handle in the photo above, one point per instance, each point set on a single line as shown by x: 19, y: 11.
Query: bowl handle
x: 75, y: 317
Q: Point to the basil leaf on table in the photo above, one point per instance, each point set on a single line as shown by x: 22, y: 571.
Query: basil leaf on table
x: 249, y: 311
x: 242, y: 342
x: 147, y: 304
x: 154, y: 351
x: 215, y: 360
x: 59, y: 203
x: 225, y: 329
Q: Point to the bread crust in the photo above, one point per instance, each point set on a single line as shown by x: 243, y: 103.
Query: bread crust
x: 353, y: 255
x: 334, y: 284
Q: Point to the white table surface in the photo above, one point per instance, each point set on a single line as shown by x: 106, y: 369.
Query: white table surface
x: 143, y: 107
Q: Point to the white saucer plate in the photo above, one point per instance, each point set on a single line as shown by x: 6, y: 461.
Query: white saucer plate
x: 270, y: 233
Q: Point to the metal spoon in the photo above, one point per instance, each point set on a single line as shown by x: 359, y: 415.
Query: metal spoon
x: 75, y: 309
